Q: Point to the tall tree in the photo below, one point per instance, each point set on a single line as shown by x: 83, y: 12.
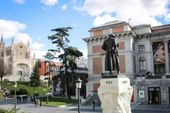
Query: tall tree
x: 35, y: 78
x: 60, y: 40
x: 70, y: 57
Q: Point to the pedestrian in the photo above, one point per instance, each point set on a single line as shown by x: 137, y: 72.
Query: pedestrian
x: 35, y: 101
x: 94, y: 104
x: 40, y: 102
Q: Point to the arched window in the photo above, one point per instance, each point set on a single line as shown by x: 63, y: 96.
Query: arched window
x: 142, y: 64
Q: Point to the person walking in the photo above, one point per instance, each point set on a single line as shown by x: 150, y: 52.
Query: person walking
x: 94, y: 104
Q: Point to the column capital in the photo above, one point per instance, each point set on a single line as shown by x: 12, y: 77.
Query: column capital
x: 165, y: 41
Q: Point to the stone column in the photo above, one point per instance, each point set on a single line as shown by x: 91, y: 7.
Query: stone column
x: 151, y: 54
x: 166, y: 58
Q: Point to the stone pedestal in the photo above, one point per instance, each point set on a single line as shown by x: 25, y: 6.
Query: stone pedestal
x: 115, y: 94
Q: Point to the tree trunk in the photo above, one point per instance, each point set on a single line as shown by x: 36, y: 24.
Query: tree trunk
x: 1, y: 77
x: 66, y: 82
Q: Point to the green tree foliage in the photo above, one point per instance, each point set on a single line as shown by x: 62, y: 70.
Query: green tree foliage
x: 69, y: 55
x: 35, y: 78
x: 69, y: 58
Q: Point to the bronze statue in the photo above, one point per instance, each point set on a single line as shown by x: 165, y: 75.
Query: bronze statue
x: 112, y: 57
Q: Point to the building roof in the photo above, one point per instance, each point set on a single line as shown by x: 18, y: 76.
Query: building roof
x: 109, y: 25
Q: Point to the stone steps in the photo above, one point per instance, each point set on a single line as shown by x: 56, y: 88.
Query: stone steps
x: 91, y: 99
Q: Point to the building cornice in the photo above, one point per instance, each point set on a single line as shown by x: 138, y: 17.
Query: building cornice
x: 103, y: 37
x: 109, y: 25
x: 153, y: 34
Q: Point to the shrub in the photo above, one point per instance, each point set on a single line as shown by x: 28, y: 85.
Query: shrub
x: 1, y: 95
x: 2, y: 111
x: 19, y: 92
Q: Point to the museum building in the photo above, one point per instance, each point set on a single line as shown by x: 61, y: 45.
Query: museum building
x: 144, y: 56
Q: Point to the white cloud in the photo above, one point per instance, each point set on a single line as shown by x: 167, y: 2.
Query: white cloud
x: 36, y: 49
x: 10, y: 28
x: 49, y: 2
x: 64, y: 7
x: 140, y: 11
x: 100, y: 20
x: 19, y: 1
x: 15, y: 29
x: 36, y: 46
x: 84, y: 51
x: 22, y: 37
x: 39, y: 54
x: 167, y: 18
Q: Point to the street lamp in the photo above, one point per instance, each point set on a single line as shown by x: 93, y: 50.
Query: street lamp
x: 78, y: 86
x: 15, y: 97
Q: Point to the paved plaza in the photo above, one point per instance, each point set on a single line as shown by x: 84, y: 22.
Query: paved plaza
x: 31, y: 108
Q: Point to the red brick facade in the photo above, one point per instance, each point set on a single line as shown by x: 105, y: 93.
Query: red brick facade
x: 97, y: 65
x: 122, y: 63
x: 121, y: 45
x: 118, y: 29
x: 95, y: 86
x: 97, y: 49
x: 97, y: 32
x: 42, y: 68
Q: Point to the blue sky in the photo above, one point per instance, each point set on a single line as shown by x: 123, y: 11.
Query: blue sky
x: 33, y: 19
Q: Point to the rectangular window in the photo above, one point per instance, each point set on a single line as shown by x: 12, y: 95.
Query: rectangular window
x: 142, y: 64
x: 8, y: 52
x: 141, y: 48
x: 154, y: 95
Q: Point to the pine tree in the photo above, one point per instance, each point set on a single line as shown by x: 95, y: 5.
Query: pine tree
x: 35, y: 78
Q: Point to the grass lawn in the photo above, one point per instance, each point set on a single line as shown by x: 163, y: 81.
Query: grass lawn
x: 57, y: 101
x: 41, y: 90
x: 1, y: 95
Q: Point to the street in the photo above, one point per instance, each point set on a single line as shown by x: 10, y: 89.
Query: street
x: 31, y: 108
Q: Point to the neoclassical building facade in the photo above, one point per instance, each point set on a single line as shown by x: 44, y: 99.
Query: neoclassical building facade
x: 144, y: 54
x: 16, y: 61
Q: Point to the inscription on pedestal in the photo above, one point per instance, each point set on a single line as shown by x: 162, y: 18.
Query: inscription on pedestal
x: 109, y: 82
x: 124, y: 82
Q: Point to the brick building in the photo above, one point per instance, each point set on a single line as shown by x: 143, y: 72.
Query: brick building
x: 48, y: 68
x: 147, y: 67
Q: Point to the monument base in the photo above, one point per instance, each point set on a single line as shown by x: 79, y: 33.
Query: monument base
x: 115, y: 94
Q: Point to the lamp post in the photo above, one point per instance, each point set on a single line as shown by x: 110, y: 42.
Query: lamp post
x: 78, y: 86
x: 15, y: 97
